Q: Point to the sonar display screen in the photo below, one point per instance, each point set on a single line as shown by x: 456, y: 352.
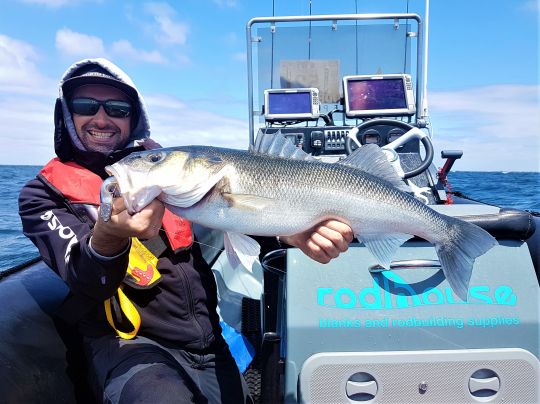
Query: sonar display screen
x: 289, y: 103
x: 384, y: 94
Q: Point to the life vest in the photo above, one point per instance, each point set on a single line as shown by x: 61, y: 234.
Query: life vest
x: 81, y: 188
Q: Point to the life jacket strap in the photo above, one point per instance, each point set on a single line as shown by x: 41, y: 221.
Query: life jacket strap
x: 142, y: 273
x: 122, y: 315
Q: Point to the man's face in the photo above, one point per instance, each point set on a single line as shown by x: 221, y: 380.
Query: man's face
x: 101, y: 132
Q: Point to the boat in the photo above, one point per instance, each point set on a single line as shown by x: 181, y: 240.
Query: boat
x: 349, y: 330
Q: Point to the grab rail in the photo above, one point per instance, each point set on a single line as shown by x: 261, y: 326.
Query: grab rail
x: 406, y: 264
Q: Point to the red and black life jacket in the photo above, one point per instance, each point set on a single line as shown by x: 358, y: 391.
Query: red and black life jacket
x: 81, y: 189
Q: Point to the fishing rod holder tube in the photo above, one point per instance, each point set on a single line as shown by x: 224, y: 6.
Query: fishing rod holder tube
x: 272, y: 369
x: 273, y: 313
x: 274, y: 323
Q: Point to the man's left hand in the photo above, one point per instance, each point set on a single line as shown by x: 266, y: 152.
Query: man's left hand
x: 324, y: 241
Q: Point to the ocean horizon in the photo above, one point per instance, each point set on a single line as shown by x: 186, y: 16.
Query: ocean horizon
x: 515, y: 189
x: 453, y: 171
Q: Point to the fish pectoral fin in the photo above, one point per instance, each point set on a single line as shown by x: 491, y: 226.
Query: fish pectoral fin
x: 384, y: 246
x: 184, y: 199
x: 174, y: 195
x: 247, y: 201
x: 241, y: 250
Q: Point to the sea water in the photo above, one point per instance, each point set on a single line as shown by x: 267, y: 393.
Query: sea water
x: 520, y: 190
x: 15, y: 248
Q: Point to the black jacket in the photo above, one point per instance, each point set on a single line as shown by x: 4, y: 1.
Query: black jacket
x: 180, y: 310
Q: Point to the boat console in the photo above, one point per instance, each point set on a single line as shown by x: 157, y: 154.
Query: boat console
x: 351, y: 331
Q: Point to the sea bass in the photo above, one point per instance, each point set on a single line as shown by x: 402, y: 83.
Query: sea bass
x: 277, y: 189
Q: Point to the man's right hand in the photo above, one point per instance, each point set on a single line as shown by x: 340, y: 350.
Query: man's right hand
x: 111, y: 237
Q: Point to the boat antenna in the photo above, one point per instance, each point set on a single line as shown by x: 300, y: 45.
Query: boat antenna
x: 272, y: 32
x: 405, y: 59
x: 356, y: 35
x: 425, y: 67
x: 309, y: 39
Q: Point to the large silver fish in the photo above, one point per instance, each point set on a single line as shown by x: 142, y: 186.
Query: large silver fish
x: 277, y: 189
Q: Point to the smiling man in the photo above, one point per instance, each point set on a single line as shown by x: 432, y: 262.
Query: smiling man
x: 141, y: 295
x: 101, y: 115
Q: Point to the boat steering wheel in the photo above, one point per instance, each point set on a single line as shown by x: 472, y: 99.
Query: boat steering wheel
x: 411, y: 133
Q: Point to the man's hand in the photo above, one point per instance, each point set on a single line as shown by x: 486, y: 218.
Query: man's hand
x: 109, y: 238
x: 324, y: 241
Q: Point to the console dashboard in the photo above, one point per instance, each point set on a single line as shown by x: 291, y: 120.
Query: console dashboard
x: 330, y: 140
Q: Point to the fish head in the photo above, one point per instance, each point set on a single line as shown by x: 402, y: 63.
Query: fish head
x: 173, y: 175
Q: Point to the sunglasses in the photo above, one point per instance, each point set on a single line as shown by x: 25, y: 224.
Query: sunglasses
x: 90, y: 106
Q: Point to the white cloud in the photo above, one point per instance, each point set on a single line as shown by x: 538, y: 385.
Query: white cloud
x: 226, y: 3
x: 232, y: 39
x: 28, y: 121
x: 76, y: 44
x: 166, y: 30
x: 496, y: 126
x: 48, y: 3
x: 72, y: 43
x: 126, y: 49
x: 175, y: 124
x: 166, y: 102
x: 18, y: 68
x: 531, y: 5
x: 57, y: 3
x: 239, y: 56
x: 27, y: 128
x: 26, y: 104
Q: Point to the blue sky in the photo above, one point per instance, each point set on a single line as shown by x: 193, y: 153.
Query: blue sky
x: 184, y: 55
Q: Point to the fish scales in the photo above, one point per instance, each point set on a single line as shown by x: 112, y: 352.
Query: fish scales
x: 306, y: 191
x: 261, y: 193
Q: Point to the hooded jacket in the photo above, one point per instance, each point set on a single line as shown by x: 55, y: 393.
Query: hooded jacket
x: 67, y: 144
x: 180, y: 310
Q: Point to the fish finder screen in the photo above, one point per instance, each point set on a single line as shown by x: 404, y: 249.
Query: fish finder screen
x: 381, y: 95
x: 376, y: 94
x: 289, y: 103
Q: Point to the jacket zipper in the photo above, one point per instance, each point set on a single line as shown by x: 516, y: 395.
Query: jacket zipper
x: 192, y: 307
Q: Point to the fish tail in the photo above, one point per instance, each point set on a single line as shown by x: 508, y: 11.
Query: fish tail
x: 464, y: 242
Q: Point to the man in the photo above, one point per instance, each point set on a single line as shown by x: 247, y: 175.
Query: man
x: 136, y: 277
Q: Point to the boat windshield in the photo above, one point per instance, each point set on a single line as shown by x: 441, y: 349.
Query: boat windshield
x: 318, y: 54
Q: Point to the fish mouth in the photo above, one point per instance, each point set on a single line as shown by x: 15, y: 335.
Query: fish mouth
x: 117, y: 173
x: 135, y: 198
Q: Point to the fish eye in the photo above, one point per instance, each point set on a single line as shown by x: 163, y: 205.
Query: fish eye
x: 154, y: 157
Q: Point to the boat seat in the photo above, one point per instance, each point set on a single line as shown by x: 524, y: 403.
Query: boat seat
x: 40, y: 356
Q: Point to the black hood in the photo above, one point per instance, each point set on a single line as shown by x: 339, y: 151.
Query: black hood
x: 67, y: 144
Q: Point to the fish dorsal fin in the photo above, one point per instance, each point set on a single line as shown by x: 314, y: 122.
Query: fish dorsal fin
x: 275, y: 144
x: 371, y: 159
